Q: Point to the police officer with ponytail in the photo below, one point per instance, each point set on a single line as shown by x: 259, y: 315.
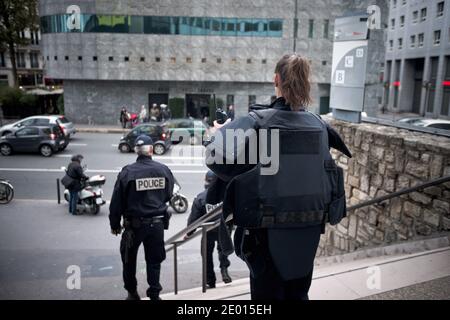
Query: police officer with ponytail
x: 140, y: 195
x: 281, y: 207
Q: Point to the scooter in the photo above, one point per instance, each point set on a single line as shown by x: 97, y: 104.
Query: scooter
x: 91, y: 196
x: 178, y: 202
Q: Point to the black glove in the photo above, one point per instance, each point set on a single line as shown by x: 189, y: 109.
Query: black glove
x: 166, y: 219
x: 116, y: 231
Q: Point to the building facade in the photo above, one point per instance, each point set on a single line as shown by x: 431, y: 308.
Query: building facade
x: 29, y: 63
x: 131, y: 53
x: 417, y: 77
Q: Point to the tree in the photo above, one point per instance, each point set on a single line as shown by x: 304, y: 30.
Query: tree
x: 15, y: 17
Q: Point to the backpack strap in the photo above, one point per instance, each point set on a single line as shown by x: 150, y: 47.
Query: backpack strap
x: 262, y: 116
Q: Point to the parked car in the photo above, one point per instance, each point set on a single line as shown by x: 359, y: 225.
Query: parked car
x: 196, y: 129
x: 43, y: 139
x: 66, y: 126
x: 159, y: 133
x: 433, y: 123
x: 411, y: 120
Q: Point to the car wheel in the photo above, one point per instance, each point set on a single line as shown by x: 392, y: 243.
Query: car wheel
x: 4, y: 133
x: 5, y: 149
x: 124, y: 148
x: 159, y: 149
x: 46, y: 150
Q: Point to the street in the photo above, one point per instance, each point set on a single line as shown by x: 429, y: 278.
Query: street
x: 39, y: 240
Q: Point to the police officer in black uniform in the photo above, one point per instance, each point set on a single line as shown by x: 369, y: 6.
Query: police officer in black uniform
x: 199, y: 209
x: 140, y: 195
x: 280, y: 215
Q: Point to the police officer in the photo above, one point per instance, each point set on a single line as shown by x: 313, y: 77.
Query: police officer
x: 199, y: 209
x: 280, y: 215
x: 140, y: 195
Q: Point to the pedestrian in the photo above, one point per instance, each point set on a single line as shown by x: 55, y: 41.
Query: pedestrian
x: 280, y: 206
x: 143, y: 114
x: 165, y: 113
x: 123, y: 117
x: 230, y: 112
x: 153, y: 112
x: 140, y: 195
x: 75, y: 178
x: 199, y: 209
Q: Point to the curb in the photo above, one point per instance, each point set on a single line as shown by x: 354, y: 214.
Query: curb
x: 101, y: 130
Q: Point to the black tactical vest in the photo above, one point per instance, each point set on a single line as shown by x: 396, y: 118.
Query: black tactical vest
x: 307, y: 189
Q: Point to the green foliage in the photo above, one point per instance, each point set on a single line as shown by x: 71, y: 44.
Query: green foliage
x: 16, y: 16
x: 176, y: 106
x: 16, y: 99
x: 60, y: 104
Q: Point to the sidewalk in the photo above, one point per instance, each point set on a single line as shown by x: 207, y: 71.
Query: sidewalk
x: 100, y: 128
x: 413, y: 275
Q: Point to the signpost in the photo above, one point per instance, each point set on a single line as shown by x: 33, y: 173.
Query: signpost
x: 348, y: 73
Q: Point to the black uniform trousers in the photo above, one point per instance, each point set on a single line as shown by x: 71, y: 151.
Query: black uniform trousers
x: 152, y: 237
x: 267, y: 283
x: 211, y: 238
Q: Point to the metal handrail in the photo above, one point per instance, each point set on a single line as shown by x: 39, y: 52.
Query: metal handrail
x: 206, y: 226
x: 399, y: 193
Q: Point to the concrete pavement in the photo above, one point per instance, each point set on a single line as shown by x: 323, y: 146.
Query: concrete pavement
x: 403, y: 274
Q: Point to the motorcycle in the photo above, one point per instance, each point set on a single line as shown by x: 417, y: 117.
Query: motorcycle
x: 178, y: 202
x: 91, y: 196
x: 6, y: 191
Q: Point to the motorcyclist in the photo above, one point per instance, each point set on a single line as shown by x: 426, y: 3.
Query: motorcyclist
x: 75, y: 172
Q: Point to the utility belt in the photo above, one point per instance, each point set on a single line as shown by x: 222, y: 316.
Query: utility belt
x: 137, y: 222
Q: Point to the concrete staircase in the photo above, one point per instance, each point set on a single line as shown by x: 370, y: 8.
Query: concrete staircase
x: 355, y: 275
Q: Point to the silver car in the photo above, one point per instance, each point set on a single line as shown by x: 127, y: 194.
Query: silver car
x: 66, y: 126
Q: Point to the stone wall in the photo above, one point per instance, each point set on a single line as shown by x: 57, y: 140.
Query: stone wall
x: 385, y: 160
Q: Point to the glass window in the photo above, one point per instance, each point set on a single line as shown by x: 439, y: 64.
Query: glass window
x: 174, y: 25
x: 148, y: 130
x: 440, y: 9
x: 229, y: 26
x: 166, y: 25
x: 251, y: 100
x: 437, y: 37
x: 27, y: 132
x: 423, y: 14
x: 400, y: 43
x: 326, y: 27
x: 41, y: 122
x: 420, y: 38
x: 415, y: 16
x: 392, y: 23
x: 197, y: 26
x: 275, y: 28
x: 34, y: 62
x: 402, y: 21
x: 413, y: 41
x: 185, y: 27
x: 136, y: 24
x: 104, y: 23
x: 20, y: 60
x: 214, y: 26
x: 311, y: 28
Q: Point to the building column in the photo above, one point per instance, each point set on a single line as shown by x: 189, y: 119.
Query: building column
x: 393, y: 71
x: 439, y: 89
x: 425, y: 91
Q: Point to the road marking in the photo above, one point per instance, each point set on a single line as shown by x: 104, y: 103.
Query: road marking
x: 62, y: 155
x: 88, y: 170
x: 114, y: 145
x: 78, y: 144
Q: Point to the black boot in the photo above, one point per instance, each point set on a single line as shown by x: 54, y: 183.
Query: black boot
x: 133, y: 296
x: 225, y: 276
